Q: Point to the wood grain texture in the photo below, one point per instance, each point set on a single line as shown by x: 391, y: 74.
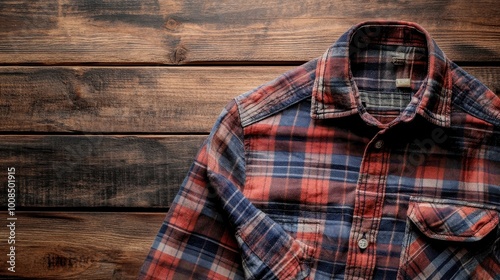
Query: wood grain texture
x: 88, y: 171
x: 133, y: 99
x: 128, y: 99
x: 80, y: 245
x: 181, y: 32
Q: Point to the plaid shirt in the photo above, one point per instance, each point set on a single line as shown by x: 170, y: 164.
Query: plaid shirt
x: 380, y: 159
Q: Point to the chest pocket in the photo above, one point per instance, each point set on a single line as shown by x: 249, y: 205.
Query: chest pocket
x: 447, y: 239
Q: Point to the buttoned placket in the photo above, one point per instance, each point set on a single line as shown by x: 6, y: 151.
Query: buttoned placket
x: 370, y: 195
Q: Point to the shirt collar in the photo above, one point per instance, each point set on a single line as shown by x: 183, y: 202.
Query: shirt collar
x: 335, y: 93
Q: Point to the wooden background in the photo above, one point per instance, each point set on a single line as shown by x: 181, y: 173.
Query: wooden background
x: 104, y: 103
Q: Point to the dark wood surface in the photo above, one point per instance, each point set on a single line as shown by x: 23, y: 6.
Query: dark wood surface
x: 180, y: 32
x: 122, y: 99
x: 81, y: 245
x: 85, y: 171
x: 105, y: 103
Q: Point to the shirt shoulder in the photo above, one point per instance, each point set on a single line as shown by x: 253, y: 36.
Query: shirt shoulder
x: 473, y: 103
x: 475, y: 118
x: 278, y: 94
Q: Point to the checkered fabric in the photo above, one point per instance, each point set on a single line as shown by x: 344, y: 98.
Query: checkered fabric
x: 378, y: 160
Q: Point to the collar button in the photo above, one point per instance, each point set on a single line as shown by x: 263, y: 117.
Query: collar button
x: 379, y: 144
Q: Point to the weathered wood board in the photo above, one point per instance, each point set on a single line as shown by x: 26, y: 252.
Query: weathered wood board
x: 207, y: 32
x: 80, y: 245
x: 96, y: 171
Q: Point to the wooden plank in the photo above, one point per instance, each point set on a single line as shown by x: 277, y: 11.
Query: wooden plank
x: 55, y: 245
x: 125, y: 99
x: 96, y: 171
x: 173, y: 32
x: 133, y: 99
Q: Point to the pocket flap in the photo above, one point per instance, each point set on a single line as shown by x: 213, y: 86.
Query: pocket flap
x: 452, y: 222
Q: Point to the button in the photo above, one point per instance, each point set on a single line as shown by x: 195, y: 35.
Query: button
x: 363, y: 243
x: 379, y: 144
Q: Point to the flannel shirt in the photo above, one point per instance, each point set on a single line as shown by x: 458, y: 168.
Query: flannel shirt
x: 379, y: 159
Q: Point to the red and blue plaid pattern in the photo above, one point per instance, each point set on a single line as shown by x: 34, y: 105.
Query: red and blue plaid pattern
x: 380, y: 159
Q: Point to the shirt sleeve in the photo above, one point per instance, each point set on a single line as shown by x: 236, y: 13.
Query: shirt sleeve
x: 196, y: 240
